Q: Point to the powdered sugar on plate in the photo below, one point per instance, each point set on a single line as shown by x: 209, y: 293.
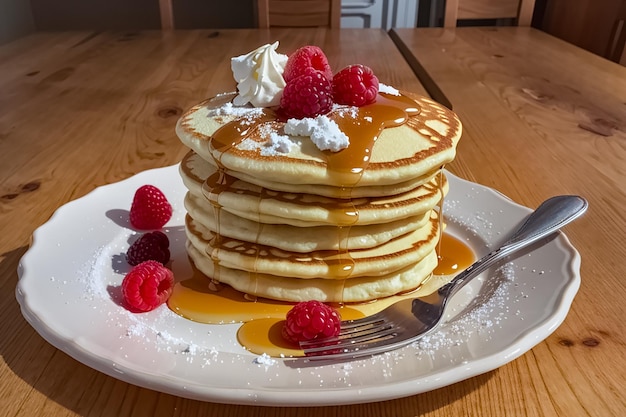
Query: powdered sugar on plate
x: 69, y: 291
x: 482, y: 306
x: 265, y: 359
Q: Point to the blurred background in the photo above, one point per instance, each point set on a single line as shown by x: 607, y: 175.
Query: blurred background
x: 589, y: 24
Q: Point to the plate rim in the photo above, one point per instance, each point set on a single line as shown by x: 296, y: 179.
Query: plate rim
x: 272, y: 396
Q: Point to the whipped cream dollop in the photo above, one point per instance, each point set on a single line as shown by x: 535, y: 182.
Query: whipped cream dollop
x: 259, y: 76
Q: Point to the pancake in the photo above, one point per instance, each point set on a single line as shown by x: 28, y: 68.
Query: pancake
x: 199, y: 169
x: 339, y: 208
x: 326, y: 290
x: 419, y: 137
x: 298, y: 239
x: 258, y: 204
x: 339, y: 192
x: 394, y: 255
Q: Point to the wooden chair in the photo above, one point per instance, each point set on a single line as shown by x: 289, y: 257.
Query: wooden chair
x: 616, y: 47
x: 520, y: 10
x: 294, y: 13
x: 299, y: 13
x: 167, y: 14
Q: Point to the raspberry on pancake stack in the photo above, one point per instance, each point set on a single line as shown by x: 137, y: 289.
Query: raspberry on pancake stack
x: 304, y: 185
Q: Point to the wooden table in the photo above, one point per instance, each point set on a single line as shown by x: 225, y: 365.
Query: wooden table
x: 542, y: 117
x: 80, y: 110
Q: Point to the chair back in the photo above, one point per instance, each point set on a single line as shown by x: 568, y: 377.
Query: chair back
x: 299, y: 13
x: 520, y: 10
x: 166, y: 11
x: 616, y: 47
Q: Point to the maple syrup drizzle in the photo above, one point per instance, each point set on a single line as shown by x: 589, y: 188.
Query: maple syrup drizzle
x: 441, y: 215
x: 261, y: 320
x: 216, y: 303
x: 346, y: 167
x: 453, y: 254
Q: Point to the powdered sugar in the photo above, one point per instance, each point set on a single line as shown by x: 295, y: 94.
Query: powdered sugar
x: 154, y: 330
x: 264, y: 359
x: 275, y: 144
x: 228, y: 109
x: 484, y: 313
x: 479, y: 313
x: 383, y: 88
x: 322, y: 130
x: 488, y: 324
x: 345, y: 111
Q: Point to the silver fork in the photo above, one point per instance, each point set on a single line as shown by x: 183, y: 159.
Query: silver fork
x: 408, y: 320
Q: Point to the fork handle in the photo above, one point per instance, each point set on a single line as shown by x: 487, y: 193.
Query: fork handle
x: 547, y: 219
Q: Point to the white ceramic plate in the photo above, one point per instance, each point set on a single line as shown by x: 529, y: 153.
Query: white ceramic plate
x: 69, y: 292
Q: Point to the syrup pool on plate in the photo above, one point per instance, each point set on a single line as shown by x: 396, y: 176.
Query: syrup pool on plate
x: 198, y: 299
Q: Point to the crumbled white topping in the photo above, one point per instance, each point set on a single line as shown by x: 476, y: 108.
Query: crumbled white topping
x: 264, y: 359
x: 248, y: 145
x: 383, y: 88
x: 324, y: 132
x: 345, y: 111
x: 228, y: 109
x: 278, y: 143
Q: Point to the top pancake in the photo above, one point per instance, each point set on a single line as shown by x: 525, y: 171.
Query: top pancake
x: 419, y: 136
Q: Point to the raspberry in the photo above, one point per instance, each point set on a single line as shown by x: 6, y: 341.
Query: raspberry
x: 306, y: 57
x: 147, y: 286
x: 150, y: 208
x: 307, y: 95
x: 310, y: 320
x: 152, y: 246
x: 355, y: 85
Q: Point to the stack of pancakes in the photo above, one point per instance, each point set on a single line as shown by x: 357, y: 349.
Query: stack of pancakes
x: 300, y: 224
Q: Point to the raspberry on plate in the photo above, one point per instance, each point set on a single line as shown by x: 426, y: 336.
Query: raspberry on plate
x: 150, y: 208
x: 307, y: 57
x: 152, y: 246
x: 307, y: 95
x: 147, y: 286
x: 355, y: 85
x: 310, y: 320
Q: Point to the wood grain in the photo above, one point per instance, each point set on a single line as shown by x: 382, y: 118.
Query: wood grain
x: 298, y: 13
x: 542, y: 117
x: 454, y: 10
x: 83, y: 109
x: 586, y: 23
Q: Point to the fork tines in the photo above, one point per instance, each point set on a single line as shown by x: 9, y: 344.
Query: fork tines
x: 355, y: 335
